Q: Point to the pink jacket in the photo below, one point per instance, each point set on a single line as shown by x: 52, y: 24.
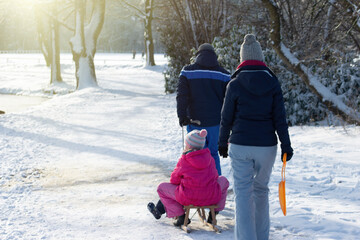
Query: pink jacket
x: 196, y: 175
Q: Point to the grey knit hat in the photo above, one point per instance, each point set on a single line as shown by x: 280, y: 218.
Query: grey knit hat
x: 205, y: 46
x: 251, y: 49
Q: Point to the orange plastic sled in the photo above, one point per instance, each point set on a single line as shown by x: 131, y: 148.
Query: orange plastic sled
x: 282, y: 197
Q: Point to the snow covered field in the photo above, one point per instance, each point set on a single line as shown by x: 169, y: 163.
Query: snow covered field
x: 84, y: 165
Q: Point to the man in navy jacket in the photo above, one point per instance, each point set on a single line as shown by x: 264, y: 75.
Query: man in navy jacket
x: 200, y: 94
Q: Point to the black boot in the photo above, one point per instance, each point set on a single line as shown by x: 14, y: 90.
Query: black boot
x: 154, y: 211
x: 160, y: 207
x: 209, y: 220
x: 180, y: 221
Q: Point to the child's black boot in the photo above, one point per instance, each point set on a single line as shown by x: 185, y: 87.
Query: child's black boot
x: 180, y: 221
x: 209, y: 220
x: 157, y: 210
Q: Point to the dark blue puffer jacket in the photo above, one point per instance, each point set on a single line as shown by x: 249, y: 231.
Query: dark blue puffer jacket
x: 254, y: 109
x: 201, y: 89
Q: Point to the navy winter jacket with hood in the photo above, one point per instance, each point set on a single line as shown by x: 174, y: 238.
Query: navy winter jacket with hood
x: 254, y: 109
x: 201, y: 89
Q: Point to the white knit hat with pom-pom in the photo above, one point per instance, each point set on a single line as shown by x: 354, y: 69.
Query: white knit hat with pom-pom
x: 195, y: 139
x: 251, y: 49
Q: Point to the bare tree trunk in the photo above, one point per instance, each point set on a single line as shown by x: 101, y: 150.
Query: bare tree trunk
x: 55, y: 46
x: 48, y: 30
x: 201, y: 17
x: 147, y: 17
x: 149, y: 42
x: 77, y: 42
x: 192, y: 23
x: 182, y: 20
x: 83, y: 43
x: 224, y: 13
x: 329, y: 22
x: 212, y: 16
x: 43, y: 37
x: 331, y: 100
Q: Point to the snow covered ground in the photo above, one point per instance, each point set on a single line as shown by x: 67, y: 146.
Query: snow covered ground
x: 84, y: 165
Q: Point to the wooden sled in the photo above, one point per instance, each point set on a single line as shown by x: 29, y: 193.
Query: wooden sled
x: 202, y: 216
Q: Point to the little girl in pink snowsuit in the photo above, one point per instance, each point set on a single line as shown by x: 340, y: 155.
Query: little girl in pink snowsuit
x: 194, y: 180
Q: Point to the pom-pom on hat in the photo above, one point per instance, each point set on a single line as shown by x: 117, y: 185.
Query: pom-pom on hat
x: 195, y: 139
x: 251, y: 49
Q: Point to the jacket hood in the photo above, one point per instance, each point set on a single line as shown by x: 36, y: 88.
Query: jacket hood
x: 207, y: 58
x: 257, y: 80
x: 199, y: 159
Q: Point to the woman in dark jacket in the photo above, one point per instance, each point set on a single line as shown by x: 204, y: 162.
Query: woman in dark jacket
x: 253, y: 111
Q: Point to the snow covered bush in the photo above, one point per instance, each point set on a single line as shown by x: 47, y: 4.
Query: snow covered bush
x: 228, y: 49
x: 330, y: 52
x: 343, y: 79
x: 176, y: 51
x: 178, y: 56
x: 301, y: 105
x: 341, y: 75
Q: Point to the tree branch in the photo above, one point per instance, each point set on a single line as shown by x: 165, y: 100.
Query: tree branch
x: 57, y: 20
x: 133, y: 7
x: 331, y: 100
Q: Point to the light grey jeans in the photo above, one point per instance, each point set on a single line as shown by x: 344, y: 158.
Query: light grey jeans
x: 252, y: 167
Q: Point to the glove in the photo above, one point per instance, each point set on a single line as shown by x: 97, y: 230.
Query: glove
x: 288, y: 150
x: 184, y: 121
x: 223, y: 151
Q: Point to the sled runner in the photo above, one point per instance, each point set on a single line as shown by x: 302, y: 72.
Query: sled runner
x: 202, y: 216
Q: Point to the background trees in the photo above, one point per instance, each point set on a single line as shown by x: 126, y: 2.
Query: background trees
x: 186, y: 24
x: 312, y: 45
x: 147, y: 16
x: 86, y: 24
x: 121, y: 31
x: 17, y: 28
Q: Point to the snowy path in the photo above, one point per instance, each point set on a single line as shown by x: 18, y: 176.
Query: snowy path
x: 84, y: 165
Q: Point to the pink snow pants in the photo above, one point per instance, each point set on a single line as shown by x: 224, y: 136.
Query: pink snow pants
x: 166, y: 193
